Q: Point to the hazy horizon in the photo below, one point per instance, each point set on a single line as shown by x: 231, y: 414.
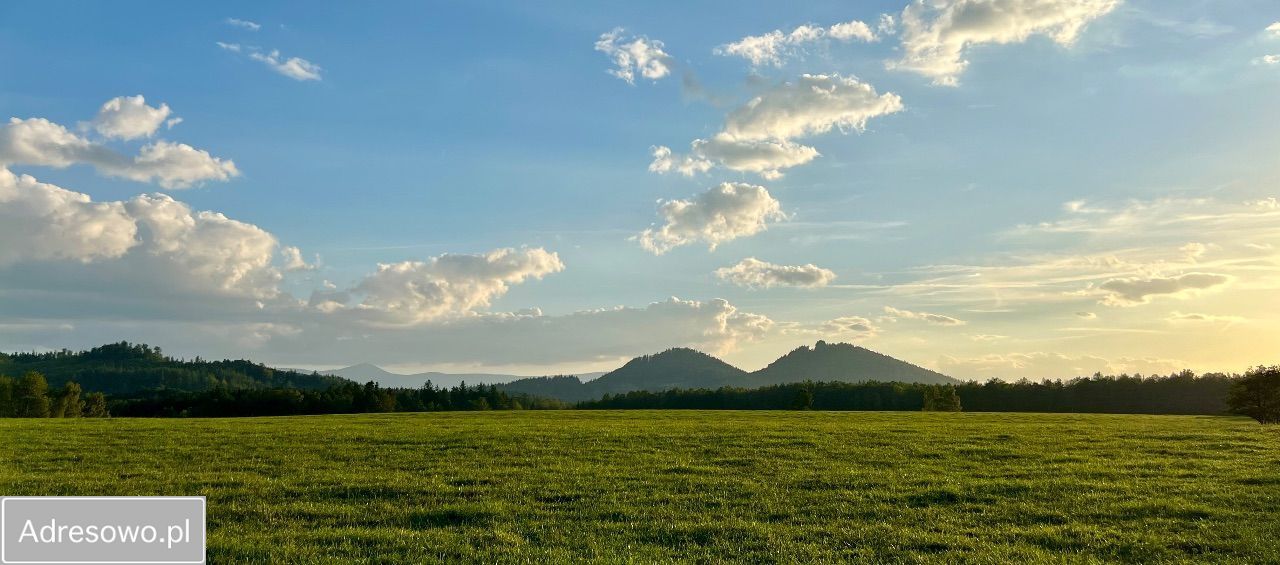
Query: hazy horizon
x: 1048, y: 189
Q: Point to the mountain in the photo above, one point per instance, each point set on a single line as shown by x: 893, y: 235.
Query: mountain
x: 673, y: 368
x: 686, y: 368
x: 365, y: 372
x: 842, y: 362
x: 125, y: 368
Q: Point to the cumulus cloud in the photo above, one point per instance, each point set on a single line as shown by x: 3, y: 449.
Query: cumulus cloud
x: 129, y: 117
x: 634, y: 54
x: 773, y: 47
x: 40, y: 142
x: 295, y: 68
x: 1131, y: 291
x: 243, y: 24
x: 758, y: 136
x: 293, y: 260
x: 935, y: 319
x: 1274, y: 29
x: 449, y: 285
x: 754, y: 273
x: 41, y: 221
x: 937, y: 34
x: 1267, y: 60
x: 148, y: 242
x: 723, y: 213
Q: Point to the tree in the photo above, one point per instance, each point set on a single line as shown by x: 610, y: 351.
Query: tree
x: 941, y: 398
x: 1257, y: 395
x: 96, y: 406
x: 31, y: 400
x: 804, y: 399
x: 69, y: 404
x: 6, y: 396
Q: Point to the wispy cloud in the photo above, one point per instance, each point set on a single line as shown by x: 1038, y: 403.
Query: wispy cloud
x: 243, y: 24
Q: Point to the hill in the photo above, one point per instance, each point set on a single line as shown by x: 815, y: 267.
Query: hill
x: 689, y: 369
x: 126, y: 368
x: 844, y: 363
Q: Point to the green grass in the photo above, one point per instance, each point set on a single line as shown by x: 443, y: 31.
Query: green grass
x: 700, y: 486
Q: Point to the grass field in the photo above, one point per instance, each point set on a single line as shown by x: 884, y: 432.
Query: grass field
x: 659, y: 486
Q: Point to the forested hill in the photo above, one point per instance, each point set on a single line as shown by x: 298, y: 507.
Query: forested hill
x: 843, y: 362
x: 123, y: 368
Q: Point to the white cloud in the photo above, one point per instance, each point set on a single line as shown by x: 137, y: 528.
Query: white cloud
x: 148, y: 242
x: 40, y: 142
x: 723, y: 213
x: 1131, y: 291
x: 244, y: 24
x: 293, y: 260
x: 754, y: 273
x: 450, y: 285
x: 129, y: 117
x: 773, y: 47
x: 757, y: 137
x: 41, y: 221
x: 635, y: 54
x: 1267, y: 60
x: 935, y: 319
x: 1274, y: 29
x: 232, y: 47
x: 936, y: 34
x: 295, y: 68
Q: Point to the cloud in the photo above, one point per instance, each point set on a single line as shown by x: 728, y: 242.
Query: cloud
x: 754, y: 273
x: 758, y: 136
x: 1267, y: 60
x: 129, y: 117
x: 41, y: 221
x: 1274, y: 29
x: 244, y: 24
x: 293, y: 260
x: 145, y: 246
x: 635, y: 54
x: 449, y: 285
x: 40, y: 142
x: 1048, y: 365
x: 935, y: 319
x: 1131, y: 291
x: 937, y: 34
x: 722, y: 213
x: 773, y: 47
x: 1087, y: 315
x: 232, y: 47
x: 850, y: 327
x: 1176, y: 317
x: 295, y: 68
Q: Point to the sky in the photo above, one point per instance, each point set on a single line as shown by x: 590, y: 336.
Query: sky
x: 988, y: 188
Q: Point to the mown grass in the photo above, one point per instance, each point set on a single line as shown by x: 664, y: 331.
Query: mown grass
x: 647, y: 486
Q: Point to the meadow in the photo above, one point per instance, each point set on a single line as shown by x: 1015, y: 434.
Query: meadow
x: 646, y: 486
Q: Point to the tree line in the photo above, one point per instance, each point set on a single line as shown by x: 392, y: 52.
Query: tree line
x: 347, y: 398
x: 1181, y: 393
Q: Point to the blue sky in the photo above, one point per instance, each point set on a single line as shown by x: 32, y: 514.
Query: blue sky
x: 1090, y: 192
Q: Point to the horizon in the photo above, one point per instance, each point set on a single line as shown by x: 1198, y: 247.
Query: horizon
x: 1090, y: 190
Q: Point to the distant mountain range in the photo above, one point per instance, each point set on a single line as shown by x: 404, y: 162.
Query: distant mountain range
x: 365, y: 372
x: 125, y: 368
x: 686, y: 368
